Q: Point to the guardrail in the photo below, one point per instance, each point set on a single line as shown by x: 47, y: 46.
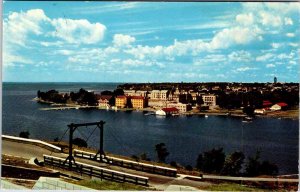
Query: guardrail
x: 94, y: 171
x: 33, y: 141
x: 129, y: 164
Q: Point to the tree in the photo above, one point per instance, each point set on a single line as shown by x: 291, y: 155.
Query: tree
x: 118, y: 92
x: 162, y: 152
x: 24, y: 134
x: 212, y: 161
x: 253, y: 165
x: 268, y: 168
x: 173, y: 164
x: 233, y: 164
x: 144, y: 157
x: 189, y: 168
x: 129, y: 103
x: 112, y: 101
x: 199, y: 163
x: 79, y: 142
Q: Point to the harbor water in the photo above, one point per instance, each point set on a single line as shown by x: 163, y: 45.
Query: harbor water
x: 134, y: 133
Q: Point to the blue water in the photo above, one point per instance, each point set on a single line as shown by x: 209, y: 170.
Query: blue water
x: 133, y: 133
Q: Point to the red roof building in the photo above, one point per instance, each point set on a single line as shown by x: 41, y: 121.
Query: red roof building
x: 170, y: 109
x: 282, y: 104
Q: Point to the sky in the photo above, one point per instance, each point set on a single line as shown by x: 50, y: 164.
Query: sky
x: 150, y: 42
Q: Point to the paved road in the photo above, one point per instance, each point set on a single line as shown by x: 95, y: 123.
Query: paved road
x: 32, y: 151
x: 158, y: 181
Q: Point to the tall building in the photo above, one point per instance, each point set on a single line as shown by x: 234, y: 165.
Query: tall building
x: 275, y: 80
x: 121, y: 101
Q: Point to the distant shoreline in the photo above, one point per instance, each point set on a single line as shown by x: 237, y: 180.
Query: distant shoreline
x: 289, y: 114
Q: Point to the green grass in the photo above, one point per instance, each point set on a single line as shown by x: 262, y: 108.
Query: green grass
x: 110, y: 185
x: 230, y: 187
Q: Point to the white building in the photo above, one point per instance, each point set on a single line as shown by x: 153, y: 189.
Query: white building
x: 209, y: 100
x: 275, y: 107
x: 181, y: 107
x: 259, y: 111
x: 129, y: 92
x: 167, y: 111
x: 159, y: 94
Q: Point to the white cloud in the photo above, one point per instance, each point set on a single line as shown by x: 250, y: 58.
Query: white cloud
x: 210, y: 60
x: 245, y: 19
x: 290, y: 34
x: 19, y: 25
x: 10, y: 60
x: 123, y: 40
x: 78, y: 31
x: 276, y: 45
x: 16, y: 29
x: 235, y: 35
x: 243, y: 69
x: 131, y: 62
x: 270, y: 65
x: 48, y: 43
x: 265, y: 57
x: 65, y: 52
x: 270, y: 19
x: 240, y: 56
x: 293, y: 62
x: 288, y: 21
x: 293, y: 44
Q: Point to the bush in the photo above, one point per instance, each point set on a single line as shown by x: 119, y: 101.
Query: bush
x: 24, y: 134
x: 173, y: 164
x: 189, y: 168
x: 79, y: 142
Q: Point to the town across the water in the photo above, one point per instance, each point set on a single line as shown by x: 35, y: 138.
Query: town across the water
x: 187, y: 98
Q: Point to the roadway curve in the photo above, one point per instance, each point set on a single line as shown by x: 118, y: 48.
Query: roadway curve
x: 32, y: 151
x: 159, y: 182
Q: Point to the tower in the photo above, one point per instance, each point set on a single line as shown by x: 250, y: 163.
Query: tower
x: 275, y: 80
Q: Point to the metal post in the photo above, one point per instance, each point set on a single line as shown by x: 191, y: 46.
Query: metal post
x: 70, y: 145
x: 101, y: 140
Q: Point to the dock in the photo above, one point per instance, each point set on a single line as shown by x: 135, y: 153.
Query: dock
x: 68, y: 107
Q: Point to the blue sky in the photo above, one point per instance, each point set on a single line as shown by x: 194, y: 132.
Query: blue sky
x: 150, y: 42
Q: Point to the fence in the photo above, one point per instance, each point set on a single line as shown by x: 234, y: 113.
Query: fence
x: 33, y: 141
x: 94, y: 171
x: 129, y: 164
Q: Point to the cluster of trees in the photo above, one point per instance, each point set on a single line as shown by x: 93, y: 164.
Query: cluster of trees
x: 255, y: 98
x: 215, y: 161
x: 82, y: 97
x: 53, y: 96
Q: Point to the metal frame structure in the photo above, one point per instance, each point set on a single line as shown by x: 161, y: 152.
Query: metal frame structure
x: 72, y: 128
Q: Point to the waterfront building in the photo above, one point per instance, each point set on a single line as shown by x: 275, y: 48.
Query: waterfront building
x: 259, y: 111
x: 121, y: 101
x: 157, y: 103
x: 138, y: 102
x: 180, y: 106
x: 167, y: 111
x: 209, y: 100
x: 103, y: 101
x: 194, y: 95
x: 142, y: 93
x: 129, y: 92
x: 159, y: 94
x: 279, y: 106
